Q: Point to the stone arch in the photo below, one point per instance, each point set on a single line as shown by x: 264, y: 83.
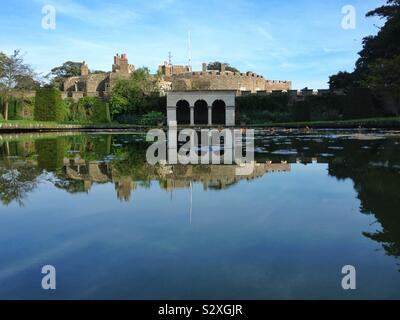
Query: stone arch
x: 182, y: 112
x: 219, y: 112
x: 101, y: 86
x: 200, y: 112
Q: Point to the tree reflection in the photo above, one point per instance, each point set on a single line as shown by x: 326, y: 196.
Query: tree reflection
x: 375, y: 173
x: 17, y: 178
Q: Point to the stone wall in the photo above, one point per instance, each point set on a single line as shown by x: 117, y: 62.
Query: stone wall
x: 215, y: 80
x: 167, y: 70
x: 95, y: 85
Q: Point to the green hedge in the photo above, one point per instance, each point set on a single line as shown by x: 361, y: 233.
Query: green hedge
x: 17, y: 106
x: 90, y: 110
x: 152, y: 118
x: 48, y: 105
x: 253, y: 109
x: 101, y: 112
x: 358, y: 103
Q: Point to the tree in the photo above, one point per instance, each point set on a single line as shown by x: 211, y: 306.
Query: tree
x: 67, y: 69
x: 377, y: 67
x: 217, y: 66
x: 386, y: 44
x: 379, y: 62
x: 130, y: 96
x: 383, y: 76
x: 12, y: 71
x: 27, y: 82
x: 342, y: 80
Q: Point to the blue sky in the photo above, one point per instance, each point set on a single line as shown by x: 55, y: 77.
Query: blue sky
x: 298, y: 40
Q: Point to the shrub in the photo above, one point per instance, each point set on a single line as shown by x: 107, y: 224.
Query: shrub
x: 128, y: 118
x: 101, y: 112
x: 90, y: 109
x: 48, y: 105
x: 152, y: 118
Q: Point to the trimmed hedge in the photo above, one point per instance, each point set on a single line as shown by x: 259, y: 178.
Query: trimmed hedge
x: 152, y: 118
x: 101, y: 112
x: 90, y: 110
x: 276, y: 108
x: 357, y: 104
x: 48, y: 105
x: 17, y: 106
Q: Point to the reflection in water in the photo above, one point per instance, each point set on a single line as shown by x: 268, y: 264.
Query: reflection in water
x: 75, y: 163
x: 79, y: 162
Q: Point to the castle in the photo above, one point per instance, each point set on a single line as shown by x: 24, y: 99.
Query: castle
x: 171, y: 77
x: 242, y: 83
x: 97, y: 84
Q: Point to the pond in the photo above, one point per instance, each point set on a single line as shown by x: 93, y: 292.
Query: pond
x: 115, y: 227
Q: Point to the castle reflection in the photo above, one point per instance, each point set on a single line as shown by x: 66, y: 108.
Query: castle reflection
x: 169, y: 176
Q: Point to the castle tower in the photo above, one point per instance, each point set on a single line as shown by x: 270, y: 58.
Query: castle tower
x: 84, y: 69
x: 121, y: 64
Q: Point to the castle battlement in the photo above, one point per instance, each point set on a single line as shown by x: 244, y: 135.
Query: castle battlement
x: 226, y: 80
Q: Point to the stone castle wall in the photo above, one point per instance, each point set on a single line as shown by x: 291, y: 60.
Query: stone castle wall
x: 97, y: 84
x: 167, y: 70
x: 215, y: 80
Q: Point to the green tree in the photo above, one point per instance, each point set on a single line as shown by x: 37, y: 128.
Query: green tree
x: 342, y: 80
x: 130, y: 96
x: 384, y: 76
x: 386, y: 44
x: 377, y: 67
x: 12, y: 71
x: 67, y: 69
x: 216, y: 65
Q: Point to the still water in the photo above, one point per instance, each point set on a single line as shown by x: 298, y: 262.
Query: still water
x: 115, y: 227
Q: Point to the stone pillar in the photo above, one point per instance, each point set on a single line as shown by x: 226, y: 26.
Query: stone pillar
x: 204, y: 67
x: 223, y: 67
x: 192, y: 115
x: 171, y: 115
x: 209, y: 115
x: 230, y: 116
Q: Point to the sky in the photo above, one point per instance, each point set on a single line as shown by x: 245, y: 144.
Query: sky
x: 298, y: 40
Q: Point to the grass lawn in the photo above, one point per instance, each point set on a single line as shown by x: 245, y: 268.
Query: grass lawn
x: 391, y: 122
x: 32, y: 124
